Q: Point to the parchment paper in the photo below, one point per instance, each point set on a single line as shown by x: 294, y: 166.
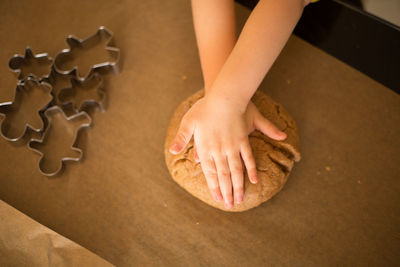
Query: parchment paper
x: 340, y: 205
x: 25, y: 242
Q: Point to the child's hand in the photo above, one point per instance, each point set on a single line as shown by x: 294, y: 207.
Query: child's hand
x: 221, y: 132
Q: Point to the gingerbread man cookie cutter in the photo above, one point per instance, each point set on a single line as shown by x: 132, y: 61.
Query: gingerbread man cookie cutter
x: 21, y: 108
x: 65, y: 61
x: 31, y: 65
x: 59, y: 82
x: 70, y: 96
x: 56, y: 117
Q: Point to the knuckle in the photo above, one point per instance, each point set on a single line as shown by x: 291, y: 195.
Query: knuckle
x: 214, y: 188
x: 236, y: 170
x: 181, y: 136
x: 248, y: 157
x: 229, y: 152
x: 226, y: 189
x: 227, y: 195
x: 238, y: 188
x: 224, y: 173
x: 215, y: 149
x: 210, y: 173
x: 232, y: 154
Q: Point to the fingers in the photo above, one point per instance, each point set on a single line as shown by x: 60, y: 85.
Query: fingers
x: 224, y: 179
x: 249, y: 162
x: 224, y: 172
x: 268, y: 128
x: 236, y: 168
x: 210, y: 172
x: 182, y: 137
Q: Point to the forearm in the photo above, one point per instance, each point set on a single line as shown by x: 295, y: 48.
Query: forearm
x: 215, y: 27
x: 262, y: 39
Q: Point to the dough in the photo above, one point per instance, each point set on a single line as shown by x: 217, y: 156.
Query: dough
x: 274, y: 159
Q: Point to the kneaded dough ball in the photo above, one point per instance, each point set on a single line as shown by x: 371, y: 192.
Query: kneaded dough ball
x: 274, y: 159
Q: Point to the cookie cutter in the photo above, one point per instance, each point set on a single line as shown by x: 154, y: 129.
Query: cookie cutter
x: 19, y: 62
x: 76, y: 44
x: 48, y: 114
x: 78, y: 85
x: 59, y: 82
x: 5, y: 107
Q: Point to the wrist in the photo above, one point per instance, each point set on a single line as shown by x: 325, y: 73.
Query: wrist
x: 226, y: 101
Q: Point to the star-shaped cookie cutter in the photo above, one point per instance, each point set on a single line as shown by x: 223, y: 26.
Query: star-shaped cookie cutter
x: 94, y: 82
x: 77, y: 44
x: 18, y: 63
x: 5, y: 107
x: 48, y: 114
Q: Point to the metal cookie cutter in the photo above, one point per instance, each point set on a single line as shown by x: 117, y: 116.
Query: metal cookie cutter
x: 23, y: 112
x: 37, y: 66
x: 84, y: 93
x: 82, y: 51
x: 55, y: 147
x: 59, y: 82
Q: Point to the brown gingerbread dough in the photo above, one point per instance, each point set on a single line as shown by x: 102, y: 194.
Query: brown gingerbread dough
x: 274, y: 159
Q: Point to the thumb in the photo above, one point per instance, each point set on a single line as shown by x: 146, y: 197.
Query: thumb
x: 182, y: 137
x: 195, y: 155
x: 268, y: 128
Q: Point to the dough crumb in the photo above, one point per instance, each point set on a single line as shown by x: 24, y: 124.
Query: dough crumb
x: 327, y: 168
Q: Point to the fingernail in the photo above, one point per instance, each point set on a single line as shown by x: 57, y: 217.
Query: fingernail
x: 253, y: 180
x: 228, y: 205
x: 239, y: 200
x: 174, y: 148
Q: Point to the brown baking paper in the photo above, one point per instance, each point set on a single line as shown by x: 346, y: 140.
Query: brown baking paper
x: 340, y: 205
x: 25, y: 242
